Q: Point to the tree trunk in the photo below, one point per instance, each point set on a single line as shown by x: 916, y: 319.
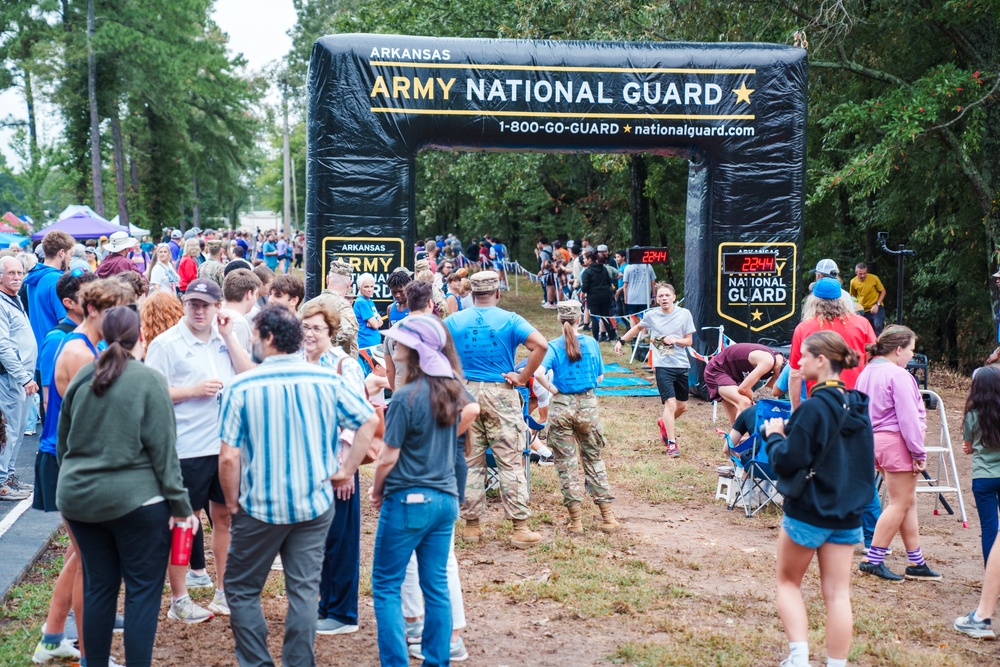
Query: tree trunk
x: 133, y: 164
x: 119, y: 161
x: 29, y: 97
x: 95, y: 132
x: 196, y: 206
x: 295, y: 196
x: 639, y: 200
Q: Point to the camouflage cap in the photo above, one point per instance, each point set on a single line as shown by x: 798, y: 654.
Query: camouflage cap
x: 422, y: 265
x: 485, y: 281
x: 569, y: 310
x: 341, y: 268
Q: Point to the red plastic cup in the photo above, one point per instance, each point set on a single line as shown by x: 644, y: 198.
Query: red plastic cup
x: 180, y: 546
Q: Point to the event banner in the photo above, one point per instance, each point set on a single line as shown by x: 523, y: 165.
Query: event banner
x: 736, y: 111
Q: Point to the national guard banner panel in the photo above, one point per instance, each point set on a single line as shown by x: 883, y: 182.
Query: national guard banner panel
x: 736, y: 111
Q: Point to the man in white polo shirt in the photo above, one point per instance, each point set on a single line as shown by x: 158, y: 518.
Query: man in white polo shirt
x: 197, y: 364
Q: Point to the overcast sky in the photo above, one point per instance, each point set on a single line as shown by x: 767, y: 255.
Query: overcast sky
x: 257, y: 28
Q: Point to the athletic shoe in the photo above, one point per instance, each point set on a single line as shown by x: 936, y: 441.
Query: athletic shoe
x: 879, y: 570
x: 414, y: 629
x: 546, y: 460
x: 16, y: 482
x: 787, y: 662
x: 921, y: 572
x: 968, y: 625
x: 62, y: 653
x: 8, y: 492
x: 29, y: 433
x: 458, y: 652
x: 192, y: 580
x: 673, y: 451
x: 663, y: 431
x: 219, y: 604
x: 331, y: 626
x: 186, y: 611
x: 119, y: 623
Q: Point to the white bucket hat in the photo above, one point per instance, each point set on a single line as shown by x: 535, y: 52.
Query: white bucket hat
x: 119, y: 241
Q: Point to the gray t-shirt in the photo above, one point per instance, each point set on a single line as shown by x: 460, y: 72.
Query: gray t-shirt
x: 660, y: 325
x: 985, y: 461
x: 427, y: 449
x: 639, y: 284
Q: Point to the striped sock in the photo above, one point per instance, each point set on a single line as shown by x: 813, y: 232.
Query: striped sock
x: 915, y: 557
x: 876, y: 554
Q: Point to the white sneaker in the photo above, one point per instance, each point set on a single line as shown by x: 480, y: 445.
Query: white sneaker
x: 192, y: 580
x: 63, y: 653
x: 186, y: 611
x: 219, y: 604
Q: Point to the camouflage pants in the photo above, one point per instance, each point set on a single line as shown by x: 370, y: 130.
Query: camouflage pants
x: 575, y: 436
x: 500, y: 427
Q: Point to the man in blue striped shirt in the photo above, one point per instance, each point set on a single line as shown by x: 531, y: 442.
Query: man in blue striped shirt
x: 278, y: 467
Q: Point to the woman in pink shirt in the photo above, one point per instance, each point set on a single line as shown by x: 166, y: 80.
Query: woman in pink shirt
x: 897, y: 414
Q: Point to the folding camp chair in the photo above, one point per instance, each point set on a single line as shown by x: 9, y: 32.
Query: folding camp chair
x: 532, y: 426
x: 756, y: 487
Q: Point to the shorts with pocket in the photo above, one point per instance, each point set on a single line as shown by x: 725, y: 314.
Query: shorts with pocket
x: 201, y: 479
x: 672, y: 383
x: 813, y: 537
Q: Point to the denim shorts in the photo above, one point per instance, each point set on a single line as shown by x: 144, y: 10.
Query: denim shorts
x: 813, y: 537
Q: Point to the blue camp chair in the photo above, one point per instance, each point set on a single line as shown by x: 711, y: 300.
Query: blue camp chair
x: 756, y: 482
x: 492, y: 481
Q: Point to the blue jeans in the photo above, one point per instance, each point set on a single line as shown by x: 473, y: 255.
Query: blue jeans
x: 869, y: 517
x: 987, y: 494
x: 416, y: 519
x: 338, y: 585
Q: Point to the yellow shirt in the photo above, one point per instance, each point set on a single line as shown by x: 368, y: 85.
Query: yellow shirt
x: 867, y: 291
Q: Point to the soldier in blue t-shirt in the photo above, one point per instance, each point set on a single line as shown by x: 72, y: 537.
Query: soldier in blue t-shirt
x: 486, y: 339
x: 575, y: 434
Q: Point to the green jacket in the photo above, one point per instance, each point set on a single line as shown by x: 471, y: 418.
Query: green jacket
x: 118, y: 451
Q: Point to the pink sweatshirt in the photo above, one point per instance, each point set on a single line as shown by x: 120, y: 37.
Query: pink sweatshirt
x: 894, y: 403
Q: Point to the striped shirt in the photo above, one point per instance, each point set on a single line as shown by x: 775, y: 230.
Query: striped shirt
x: 284, y: 417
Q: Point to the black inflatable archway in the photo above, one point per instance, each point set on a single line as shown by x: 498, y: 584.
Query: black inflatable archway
x: 739, y: 110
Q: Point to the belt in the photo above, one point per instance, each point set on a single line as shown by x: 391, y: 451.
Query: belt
x: 502, y: 385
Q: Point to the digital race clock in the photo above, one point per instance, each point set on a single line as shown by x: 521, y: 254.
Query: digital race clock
x: 648, y: 256
x: 735, y: 263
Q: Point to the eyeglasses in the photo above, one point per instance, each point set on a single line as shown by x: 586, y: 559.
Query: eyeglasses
x: 308, y: 328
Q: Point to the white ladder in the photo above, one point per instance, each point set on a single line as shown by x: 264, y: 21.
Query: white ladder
x: 944, y: 479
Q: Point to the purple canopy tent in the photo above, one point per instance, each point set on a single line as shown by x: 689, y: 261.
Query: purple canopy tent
x: 80, y: 226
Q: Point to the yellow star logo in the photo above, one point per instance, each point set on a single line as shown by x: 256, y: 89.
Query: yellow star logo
x: 743, y: 93
x: 628, y: 128
x: 756, y: 315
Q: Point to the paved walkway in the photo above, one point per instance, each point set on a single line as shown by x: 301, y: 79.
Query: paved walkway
x: 24, y: 532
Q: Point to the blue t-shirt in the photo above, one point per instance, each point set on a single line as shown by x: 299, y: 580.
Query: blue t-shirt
x: 395, y: 314
x: 270, y: 260
x: 486, y: 340
x: 175, y: 251
x: 782, y: 382
x: 364, y: 310
x: 47, y: 353
x: 574, y: 377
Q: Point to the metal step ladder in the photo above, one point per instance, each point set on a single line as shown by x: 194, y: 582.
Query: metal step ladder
x: 944, y: 477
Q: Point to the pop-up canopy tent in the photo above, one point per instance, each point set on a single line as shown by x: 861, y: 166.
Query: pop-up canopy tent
x: 7, y: 239
x: 80, y: 226
x: 135, y: 230
x: 10, y: 222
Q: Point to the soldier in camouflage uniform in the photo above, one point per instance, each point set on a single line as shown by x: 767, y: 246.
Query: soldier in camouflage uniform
x: 575, y: 433
x: 486, y: 338
x: 338, y: 283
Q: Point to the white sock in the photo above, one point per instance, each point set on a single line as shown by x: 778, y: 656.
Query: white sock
x: 975, y: 617
x: 544, y: 451
x: 836, y: 662
x: 798, y: 653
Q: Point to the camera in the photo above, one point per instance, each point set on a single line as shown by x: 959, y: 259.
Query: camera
x: 762, y: 431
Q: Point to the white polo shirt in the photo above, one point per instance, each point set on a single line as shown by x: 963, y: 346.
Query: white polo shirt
x: 184, y: 360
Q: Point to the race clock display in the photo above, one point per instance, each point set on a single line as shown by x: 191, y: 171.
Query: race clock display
x: 648, y: 256
x: 737, y: 263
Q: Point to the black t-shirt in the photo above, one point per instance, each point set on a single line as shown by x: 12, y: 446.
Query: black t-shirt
x: 746, y: 421
x: 427, y: 449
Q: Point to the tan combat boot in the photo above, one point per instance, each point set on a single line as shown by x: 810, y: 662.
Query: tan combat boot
x: 608, y: 523
x: 472, y: 531
x: 575, y: 524
x: 523, y: 537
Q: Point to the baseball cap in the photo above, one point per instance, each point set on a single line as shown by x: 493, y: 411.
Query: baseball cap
x: 827, y: 268
x: 426, y: 335
x: 569, y: 311
x: 484, y: 281
x: 827, y: 288
x: 602, y: 248
x: 203, y: 290
x: 176, y: 234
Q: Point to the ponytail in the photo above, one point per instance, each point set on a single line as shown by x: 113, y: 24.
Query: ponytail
x: 893, y: 337
x: 121, y: 331
x: 572, y: 342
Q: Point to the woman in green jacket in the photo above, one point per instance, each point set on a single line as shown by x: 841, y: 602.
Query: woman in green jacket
x: 120, y: 488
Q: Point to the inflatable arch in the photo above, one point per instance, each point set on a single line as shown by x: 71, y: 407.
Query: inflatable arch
x: 738, y: 111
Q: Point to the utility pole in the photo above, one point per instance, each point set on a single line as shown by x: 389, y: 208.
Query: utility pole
x: 295, y: 198
x: 287, y: 159
x: 95, y: 132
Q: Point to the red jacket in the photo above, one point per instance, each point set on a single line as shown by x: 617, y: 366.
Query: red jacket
x: 114, y: 264
x: 187, y: 269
